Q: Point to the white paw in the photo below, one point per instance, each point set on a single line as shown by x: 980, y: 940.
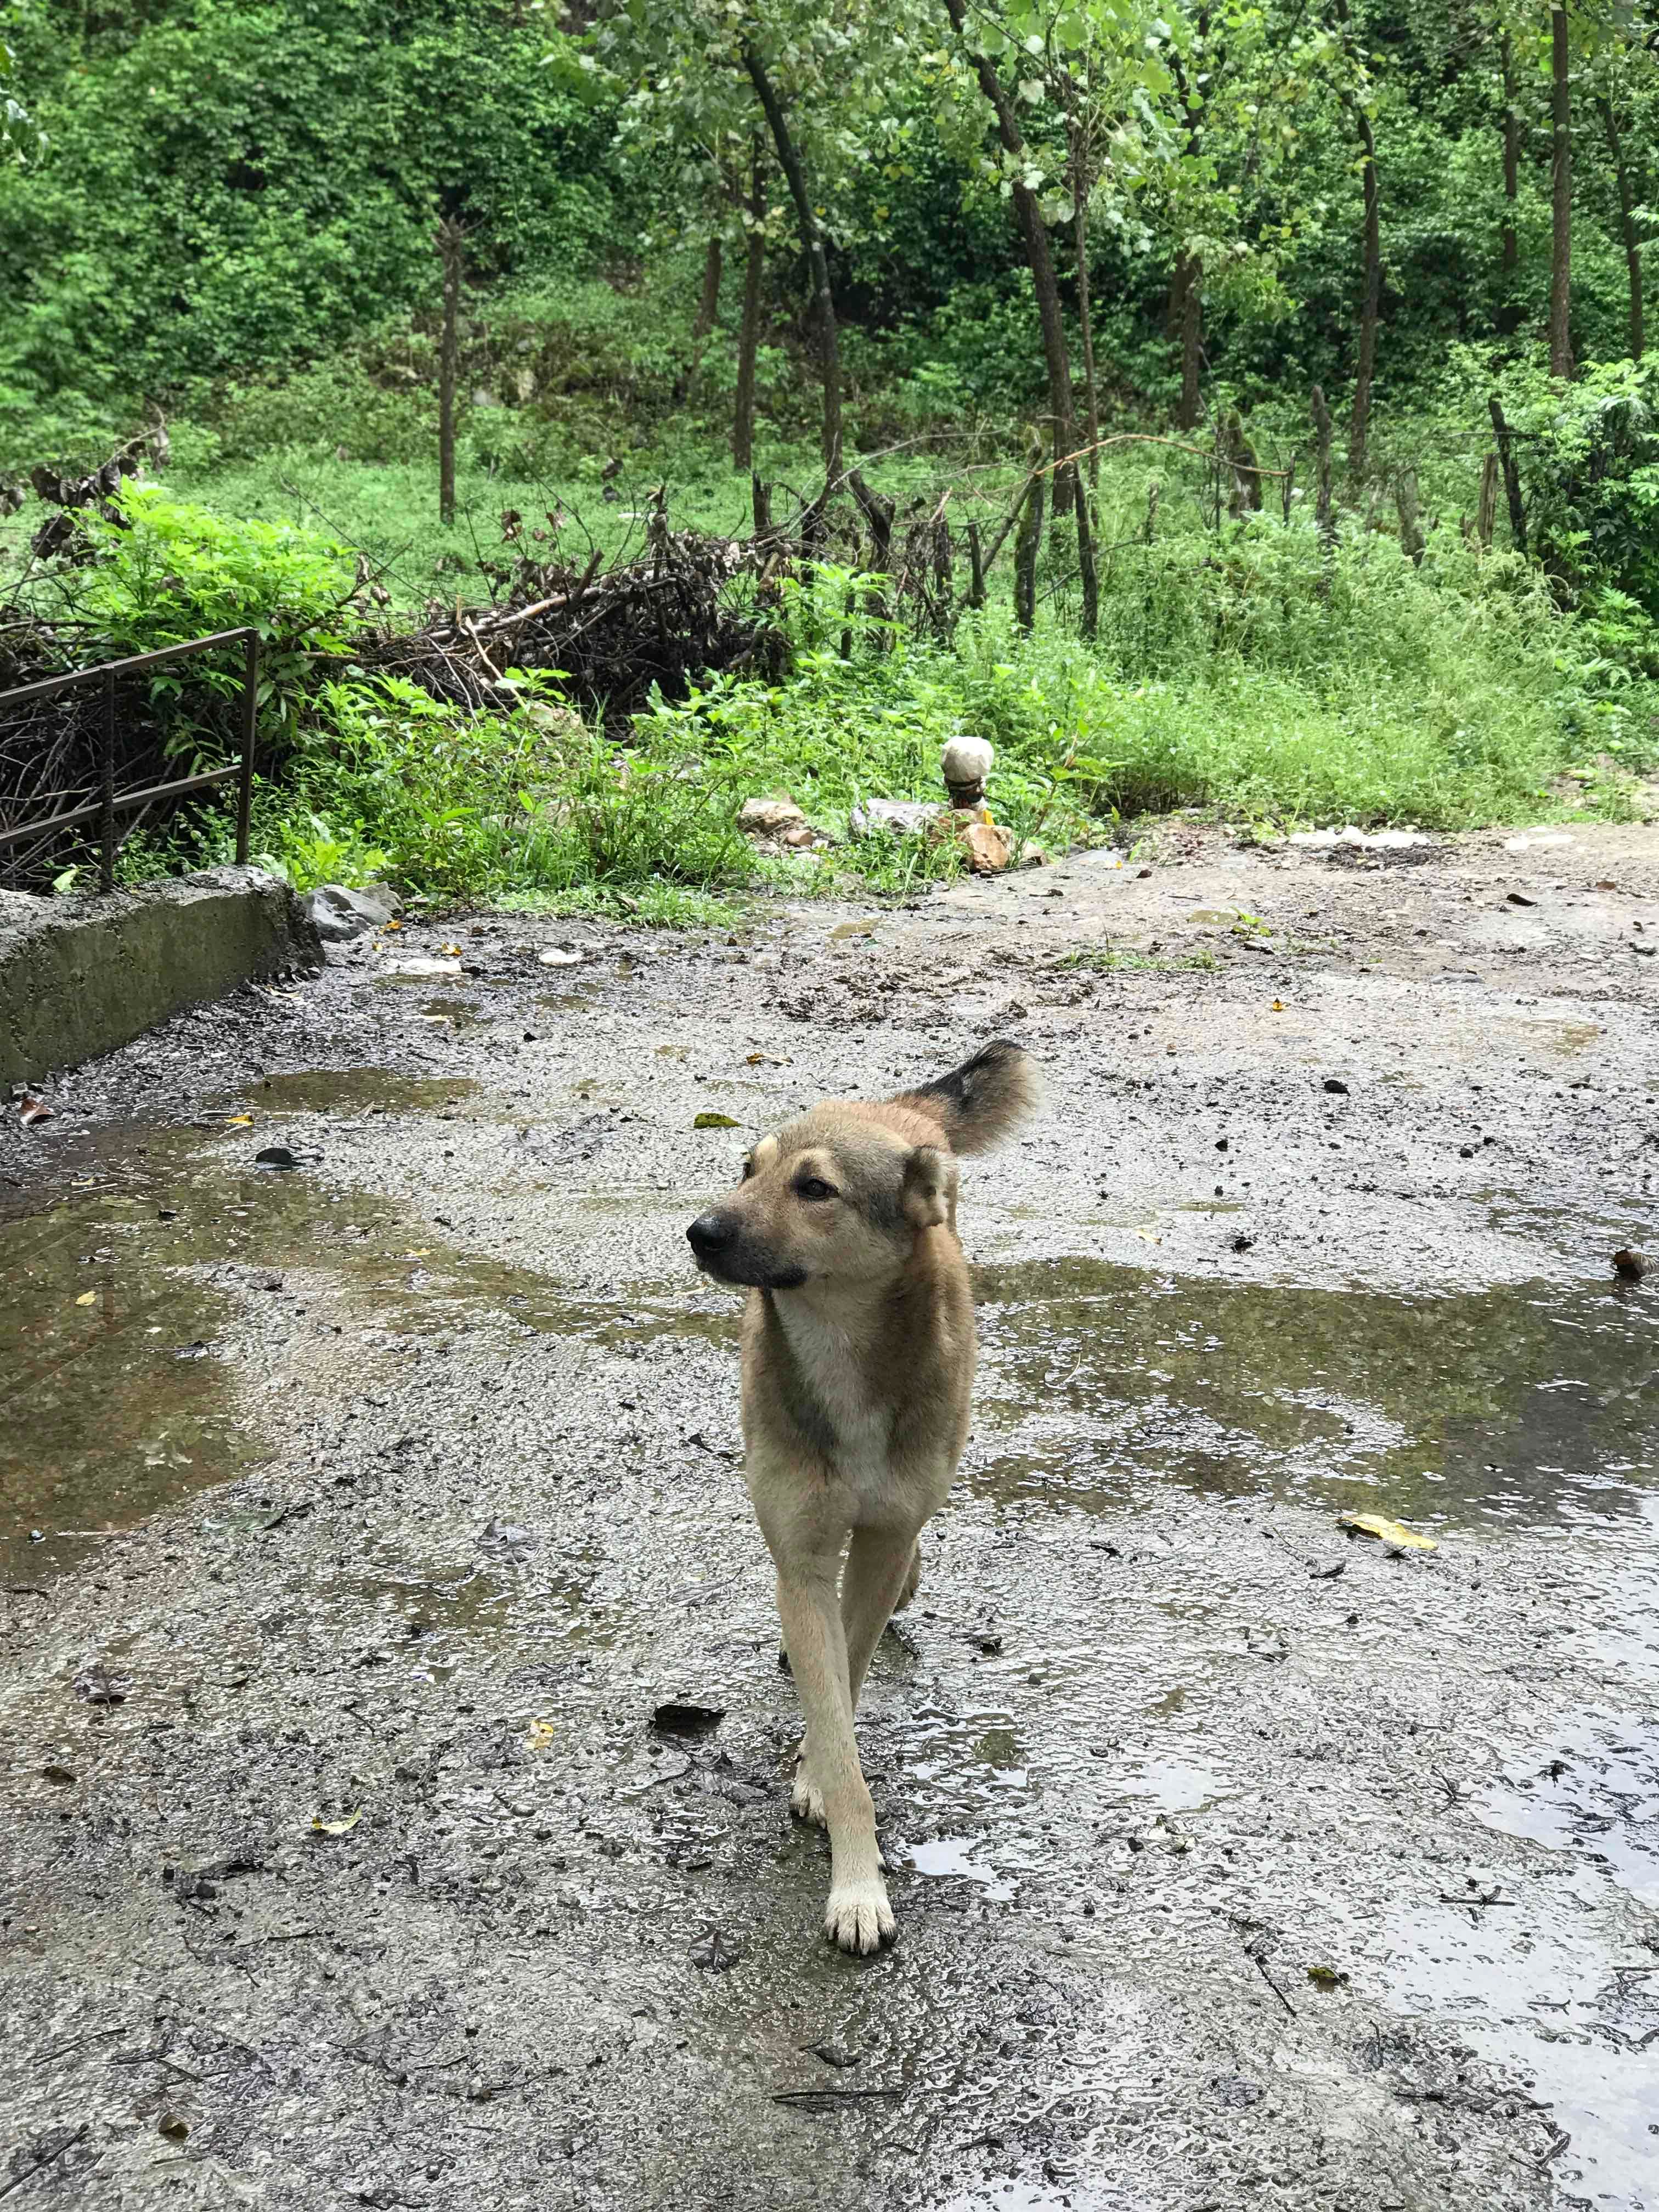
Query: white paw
x: 806, y: 1799
x: 859, y: 1919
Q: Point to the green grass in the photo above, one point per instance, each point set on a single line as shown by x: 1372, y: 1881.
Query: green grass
x: 1239, y: 669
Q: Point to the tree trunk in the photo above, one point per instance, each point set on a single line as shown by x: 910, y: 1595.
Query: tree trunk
x: 1027, y: 537
x: 449, y: 348
x: 1190, y: 276
x: 1512, y: 475
x: 1088, y: 575
x: 812, y: 239
x: 1323, y: 522
x: 742, y: 416
x: 1560, y: 194
x: 1411, y: 527
x: 709, y: 305
x: 1511, y: 162
x: 1056, y: 354
x: 1371, y: 305
x: 1487, y: 513
x: 1176, y: 306
x: 1627, y: 223
x: 1080, y: 227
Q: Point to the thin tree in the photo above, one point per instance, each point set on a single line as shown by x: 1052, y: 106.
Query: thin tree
x: 449, y: 244
x: 1079, y: 150
x: 1187, y: 280
x: 817, y: 260
x: 1355, y: 96
x: 754, y: 265
x: 1628, y: 223
x: 1034, y: 235
x: 1560, y: 193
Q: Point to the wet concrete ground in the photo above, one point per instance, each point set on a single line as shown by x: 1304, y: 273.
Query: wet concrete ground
x: 356, y: 1518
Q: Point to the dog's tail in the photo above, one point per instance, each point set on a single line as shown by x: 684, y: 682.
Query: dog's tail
x: 979, y: 1103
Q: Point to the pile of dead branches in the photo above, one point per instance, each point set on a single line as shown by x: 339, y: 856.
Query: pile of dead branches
x: 610, y: 634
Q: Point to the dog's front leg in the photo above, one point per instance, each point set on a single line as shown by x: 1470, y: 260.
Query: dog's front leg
x: 858, y: 1915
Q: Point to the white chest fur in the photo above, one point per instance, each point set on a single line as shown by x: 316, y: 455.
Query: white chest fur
x: 834, y: 1364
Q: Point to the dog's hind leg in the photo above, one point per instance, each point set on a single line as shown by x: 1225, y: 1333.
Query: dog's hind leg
x: 912, y: 1581
x: 883, y: 1569
x: 858, y: 1915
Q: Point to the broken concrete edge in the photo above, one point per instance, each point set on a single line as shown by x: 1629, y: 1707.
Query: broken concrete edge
x: 80, y: 977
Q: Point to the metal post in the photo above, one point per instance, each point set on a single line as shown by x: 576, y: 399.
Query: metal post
x: 250, y: 726
x: 106, y: 788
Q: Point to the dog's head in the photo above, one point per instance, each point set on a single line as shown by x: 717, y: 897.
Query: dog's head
x: 841, y: 1195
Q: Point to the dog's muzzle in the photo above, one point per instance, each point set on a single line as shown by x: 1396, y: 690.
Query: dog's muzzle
x: 710, y: 1235
x: 720, y: 1249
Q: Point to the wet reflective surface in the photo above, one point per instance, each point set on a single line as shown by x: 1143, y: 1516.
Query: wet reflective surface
x: 1513, y: 1405
x: 1092, y: 1760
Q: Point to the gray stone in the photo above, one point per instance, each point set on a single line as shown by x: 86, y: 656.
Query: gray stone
x: 79, y: 976
x: 341, y: 915
x: 906, y: 817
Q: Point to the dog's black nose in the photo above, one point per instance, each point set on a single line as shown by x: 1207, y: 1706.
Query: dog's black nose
x: 710, y: 1232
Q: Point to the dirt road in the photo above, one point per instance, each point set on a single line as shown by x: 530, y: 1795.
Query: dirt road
x: 358, y: 1518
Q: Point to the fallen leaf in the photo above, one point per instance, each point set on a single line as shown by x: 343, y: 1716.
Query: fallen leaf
x: 540, y: 1736
x: 31, y: 1108
x: 238, y: 1122
x: 420, y: 1252
x: 765, y: 1059
x: 391, y: 925
x: 87, y: 1299
x: 451, y: 951
x: 675, y: 1718
x: 1393, y: 1533
x: 341, y: 1827
x: 1607, y: 883
x: 1277, y: 1007
x: 554, y: 958
x: 1327, y: 1978
x: 715, y: 1122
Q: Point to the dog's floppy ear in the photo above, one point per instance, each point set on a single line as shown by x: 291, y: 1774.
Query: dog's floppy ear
x: 930, y: 1188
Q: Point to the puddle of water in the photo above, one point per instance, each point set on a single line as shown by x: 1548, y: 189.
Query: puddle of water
x: 1517, y: 1404
x: 460, y: 1013
x: 1546, y: 2001
x: 114, y: 1303
x: 1593, y: 1795
x: 357, y: 1090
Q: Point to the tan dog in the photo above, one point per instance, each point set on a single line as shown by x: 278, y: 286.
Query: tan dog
x: 857, y: 1360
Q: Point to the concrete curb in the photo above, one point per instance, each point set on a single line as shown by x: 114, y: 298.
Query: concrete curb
x: 80, y: 977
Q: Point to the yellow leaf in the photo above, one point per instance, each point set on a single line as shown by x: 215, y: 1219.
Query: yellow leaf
x: 87, y: 1299
x: 1277, y: 1007
x: 540, y: 1735
x: 715, y: 1122
x: 240, y: 1121
x: 1394, y: 1534
x: 394, y: 925
x: 340, y: 1828
x: 450, y: 951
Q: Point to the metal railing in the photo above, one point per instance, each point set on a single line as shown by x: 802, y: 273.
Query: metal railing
x: 104, y: 809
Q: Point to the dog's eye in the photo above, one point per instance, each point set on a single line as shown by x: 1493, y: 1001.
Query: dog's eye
x: 815, y: 1187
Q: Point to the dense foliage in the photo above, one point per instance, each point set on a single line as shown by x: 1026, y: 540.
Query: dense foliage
x: 930, y: 240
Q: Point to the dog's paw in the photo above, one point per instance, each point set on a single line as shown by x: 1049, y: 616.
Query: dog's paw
x: 859, y: 1920
x: 806, y: 1799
